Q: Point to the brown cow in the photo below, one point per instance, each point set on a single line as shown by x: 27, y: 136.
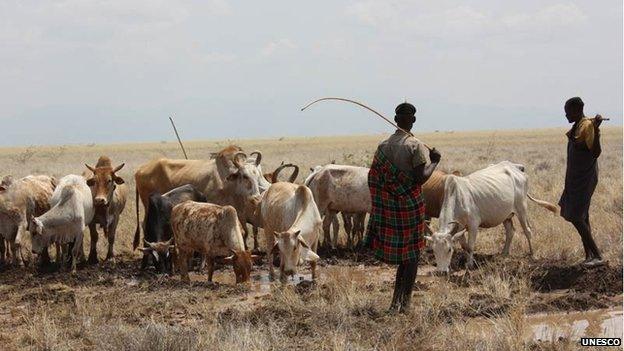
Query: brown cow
x: 20, y: 201
x: 208, y: 176
x: 213, y: 231
x: 109, y: 199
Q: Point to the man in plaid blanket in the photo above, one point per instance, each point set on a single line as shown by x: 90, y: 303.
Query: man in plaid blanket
x: 396, y: 227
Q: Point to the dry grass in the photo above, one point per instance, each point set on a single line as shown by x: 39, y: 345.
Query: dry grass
x: 116, y: 307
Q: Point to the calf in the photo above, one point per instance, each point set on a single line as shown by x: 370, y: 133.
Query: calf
x: 485, y: 198
x: 158, y: 232
x: 211, y: 230
x: 71, y: 210
x: 291, y: 225
x: 109, y: 199
x: 21, y: 200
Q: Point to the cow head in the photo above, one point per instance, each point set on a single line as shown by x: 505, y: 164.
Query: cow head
x: 292, y: 248
x: 39, y: 240
x: 242, y: 182
x: 241, y: 261
x: 252, y: 165
x: 103, y: 183
x: 442, y: 243
x: 161, y: 251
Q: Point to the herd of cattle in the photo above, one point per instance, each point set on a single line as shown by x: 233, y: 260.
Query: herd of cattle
x: 203, y: 207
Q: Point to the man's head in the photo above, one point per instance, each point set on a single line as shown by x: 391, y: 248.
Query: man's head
x: 405, y: 115
x: 574, y: 109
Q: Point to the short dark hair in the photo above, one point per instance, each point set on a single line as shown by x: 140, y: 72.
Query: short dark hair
x: 405, y: 108
x: 575, y: 103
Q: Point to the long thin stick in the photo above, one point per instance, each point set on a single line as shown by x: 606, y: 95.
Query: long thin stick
x: 366, y: 107
x: 178, y: 136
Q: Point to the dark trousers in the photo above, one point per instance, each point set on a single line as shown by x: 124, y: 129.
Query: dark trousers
x: 403, y: 285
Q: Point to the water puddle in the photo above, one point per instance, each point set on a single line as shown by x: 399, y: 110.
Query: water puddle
x: 574, y: 325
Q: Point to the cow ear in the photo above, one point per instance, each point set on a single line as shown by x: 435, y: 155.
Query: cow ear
x: 275, y: 248
x: 458, y: 236
x: 3, y: 188
x: 297, y: 233
x: 303, y: 243
x: 118, y: 180
x: 118, y: 168
x: 91, y: 181
x: 309, y: 255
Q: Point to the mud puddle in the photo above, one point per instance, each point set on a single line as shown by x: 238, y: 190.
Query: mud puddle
x: 574, y: 325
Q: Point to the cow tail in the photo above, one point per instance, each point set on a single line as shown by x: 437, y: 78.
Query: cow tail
x: 137, y: 233
x: 547, y: 205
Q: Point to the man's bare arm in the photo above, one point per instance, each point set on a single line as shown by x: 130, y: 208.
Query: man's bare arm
x: 423, y: 172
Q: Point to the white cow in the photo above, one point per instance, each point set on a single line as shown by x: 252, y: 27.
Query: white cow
x: 71, y: 211
x: 485, y: 198
x: 339, y: 188
x: 291, y: 225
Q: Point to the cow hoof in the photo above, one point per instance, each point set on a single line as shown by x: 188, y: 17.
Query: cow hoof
x: 92, y: 260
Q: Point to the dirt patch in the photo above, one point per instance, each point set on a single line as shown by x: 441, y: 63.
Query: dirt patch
x: 347, y: 257
x: 603, y: 280
x: 570, y: 301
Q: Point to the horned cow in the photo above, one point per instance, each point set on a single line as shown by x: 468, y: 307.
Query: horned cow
x: 291, y: 225
x: 226, y: 179
x: 485, y: 198
x: 158, y: 233
x: 109, y: 194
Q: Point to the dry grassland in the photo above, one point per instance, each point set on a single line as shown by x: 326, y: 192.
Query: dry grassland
x: 115, y: 306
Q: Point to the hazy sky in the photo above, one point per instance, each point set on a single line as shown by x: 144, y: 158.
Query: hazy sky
x: 82, y: 71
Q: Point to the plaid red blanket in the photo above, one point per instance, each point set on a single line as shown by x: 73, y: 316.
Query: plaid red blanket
x: 396, y: 226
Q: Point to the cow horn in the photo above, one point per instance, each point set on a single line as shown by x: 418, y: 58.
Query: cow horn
x: 237, y: 159
x: 258, y: 157
x: 429, y: 228
x: 118, y: 167
x: 279, y: 169
x: 151, y: 245
x: 294, y: 174
x: 90, y: 168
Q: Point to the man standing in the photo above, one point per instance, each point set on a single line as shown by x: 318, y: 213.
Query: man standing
x: 581, y: 175
x: 396, y: 227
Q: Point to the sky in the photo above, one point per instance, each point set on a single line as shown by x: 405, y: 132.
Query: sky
x: 96, y: 71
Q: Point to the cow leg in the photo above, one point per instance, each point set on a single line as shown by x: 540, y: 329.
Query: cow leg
x: 326, y: 230
x: 2, y: 254
x: 210, y: 266
x: 183, y: 264
x: 347, y: 220
x: 526, y: 228
x: 77, y: 251
x: 472, y: 239
x: 509, y: 234
x: 336, y: 227
x: 59, y: 254
x: 255, y: 237
x: 245, y: 234
x: 93, y: 259
x: 15, y: 252
x: 112, y: 231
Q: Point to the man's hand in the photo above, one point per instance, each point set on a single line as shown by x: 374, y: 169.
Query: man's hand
x: 434, y: 156
x: 598, y: 121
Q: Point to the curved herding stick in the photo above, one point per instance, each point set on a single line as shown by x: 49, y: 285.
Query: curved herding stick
x: 366, y: 107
